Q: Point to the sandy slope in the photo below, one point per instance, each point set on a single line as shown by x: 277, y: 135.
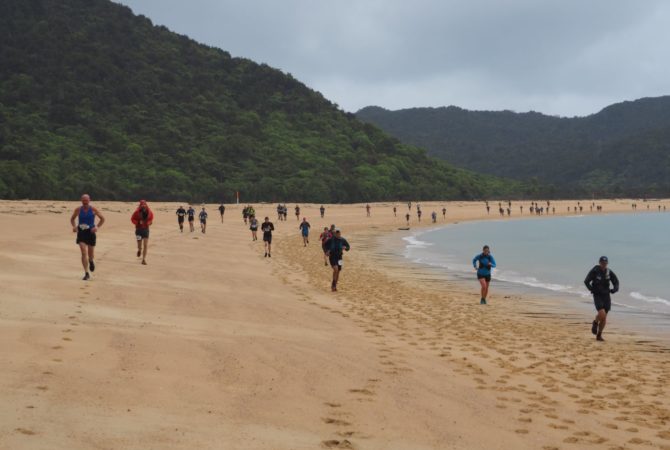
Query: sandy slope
x: 212, y: 346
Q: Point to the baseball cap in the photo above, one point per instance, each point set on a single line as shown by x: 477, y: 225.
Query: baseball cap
x: 603, y: 259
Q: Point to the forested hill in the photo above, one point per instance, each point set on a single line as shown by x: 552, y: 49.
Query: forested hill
x: 622, y: 150
x: 96, y: 99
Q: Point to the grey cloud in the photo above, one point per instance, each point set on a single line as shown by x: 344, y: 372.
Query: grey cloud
x: 560, y: 57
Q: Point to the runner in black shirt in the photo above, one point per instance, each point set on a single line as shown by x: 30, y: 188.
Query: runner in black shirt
x: 181, y: 213
x: 267, y: 228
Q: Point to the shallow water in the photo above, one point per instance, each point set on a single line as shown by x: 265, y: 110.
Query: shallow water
x: 553, y: 255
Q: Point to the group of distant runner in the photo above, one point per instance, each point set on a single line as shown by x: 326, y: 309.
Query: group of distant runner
x: 600, y: 281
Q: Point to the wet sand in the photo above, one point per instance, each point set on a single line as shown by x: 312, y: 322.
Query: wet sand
x: 213, y: 346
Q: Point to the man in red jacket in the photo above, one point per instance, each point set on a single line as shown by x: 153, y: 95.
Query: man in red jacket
x: 142, y: 218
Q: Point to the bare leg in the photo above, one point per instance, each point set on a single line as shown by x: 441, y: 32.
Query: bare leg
x: 484, y: 288
x: 91, y: 253
x: 145, y: 244
x: 601, y: 318
x: 139, y: 248
x: 84, y: 255
x: 336, y: 277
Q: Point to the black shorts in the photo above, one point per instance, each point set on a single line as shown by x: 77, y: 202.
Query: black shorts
x: 141, y: 233
x: 486, y: 277
x: 602, y: 301
x: 203, y: 221
x: 86, y: 237
x: 267, y: 238
x: 180, y: 219
x: 335, y: 261
x: 324, y: 248
x: 191, y: 219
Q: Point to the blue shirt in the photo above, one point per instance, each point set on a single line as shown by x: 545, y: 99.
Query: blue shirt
x: 484, y: 260
x: 86, y: 218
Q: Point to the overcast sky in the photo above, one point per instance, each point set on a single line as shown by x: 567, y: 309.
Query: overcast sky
x: 563, y: 57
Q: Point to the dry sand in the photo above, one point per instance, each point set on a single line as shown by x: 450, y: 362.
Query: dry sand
x: 212, y: 346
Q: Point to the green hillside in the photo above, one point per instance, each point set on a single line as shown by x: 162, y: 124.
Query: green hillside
x: 95, y: 99
x: 622, y: 150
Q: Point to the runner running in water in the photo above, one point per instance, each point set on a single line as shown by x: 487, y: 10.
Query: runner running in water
x: 304, y: 231
x: 253, y: 226
x: 142, y: 218
x: 191, y: 217
x: 335, y: 246
x: 86, y: 230
x: 181, y: 214
x: 598, y: 283
x: 267, y: 228
x: 323, y: 237
x: 322, y: 210
x: 222, y: 211
x: 203, y: 220
x: 484, y: 262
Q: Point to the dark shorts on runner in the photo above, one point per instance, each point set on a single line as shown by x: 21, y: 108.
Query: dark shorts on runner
x: 191, y: 218
x: 335, y: 261
x: 267, y: 238
x: 86, y: 237
x: 180, y: 219
x: 486, y: 277
x: 602, y: 301
x: 141, y: 233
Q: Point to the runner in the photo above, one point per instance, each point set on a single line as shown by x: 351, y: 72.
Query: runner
x: 433, y: 216
x: 418, y: 213
x: 407, y: 218
x: 323, y: 237
x: 444, y: 213
x: 267, y: 227
x: 367, y: 209
x: 484, y: 262
x: 222, y: 210
x: 322, y: 210
x: 191, y: 217
x: 86, y: 230
x: 245, y: 214
x: 142, y: 218
x: 598, y: 283
x: 280, y: 212
x: 253, y: 226
x: 334, y: 247
x: 297, y: 212
x: 203, y: 220
x: 181, y: 213
x: 394, y: 211
x: 304, y: 230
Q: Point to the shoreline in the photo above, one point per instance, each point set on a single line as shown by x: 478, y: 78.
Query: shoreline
x: 212, y: 345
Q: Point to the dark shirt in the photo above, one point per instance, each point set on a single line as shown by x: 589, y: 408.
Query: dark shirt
x: 598, y: 281
x: 335, y: 245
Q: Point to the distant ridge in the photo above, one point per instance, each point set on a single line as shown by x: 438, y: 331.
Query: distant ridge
x: 624, y: 149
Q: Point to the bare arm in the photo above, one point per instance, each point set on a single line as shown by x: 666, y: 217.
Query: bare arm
x: 100, y: 216
x: 74, y: 215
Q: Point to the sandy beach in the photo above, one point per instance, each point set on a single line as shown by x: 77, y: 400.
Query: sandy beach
x: 213, y: 346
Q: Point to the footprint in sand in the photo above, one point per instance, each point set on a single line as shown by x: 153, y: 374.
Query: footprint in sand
x: 335, y: 443
x: 338, y: 422
x: 57, y: 347
x: 43, y: 388
x: 25, y: 431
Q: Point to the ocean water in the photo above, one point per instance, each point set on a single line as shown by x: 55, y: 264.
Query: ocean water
x: 553, y: 255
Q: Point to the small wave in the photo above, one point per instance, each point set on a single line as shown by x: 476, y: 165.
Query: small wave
x: 644, y: 298
x: 534, y: 282
x: 413, y: 242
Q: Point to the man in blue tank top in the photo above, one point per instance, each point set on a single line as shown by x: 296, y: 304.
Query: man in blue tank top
x: 86, y: 230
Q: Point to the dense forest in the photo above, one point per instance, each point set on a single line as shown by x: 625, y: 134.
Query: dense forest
x: 96, y: 99
x: 622, y: 150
